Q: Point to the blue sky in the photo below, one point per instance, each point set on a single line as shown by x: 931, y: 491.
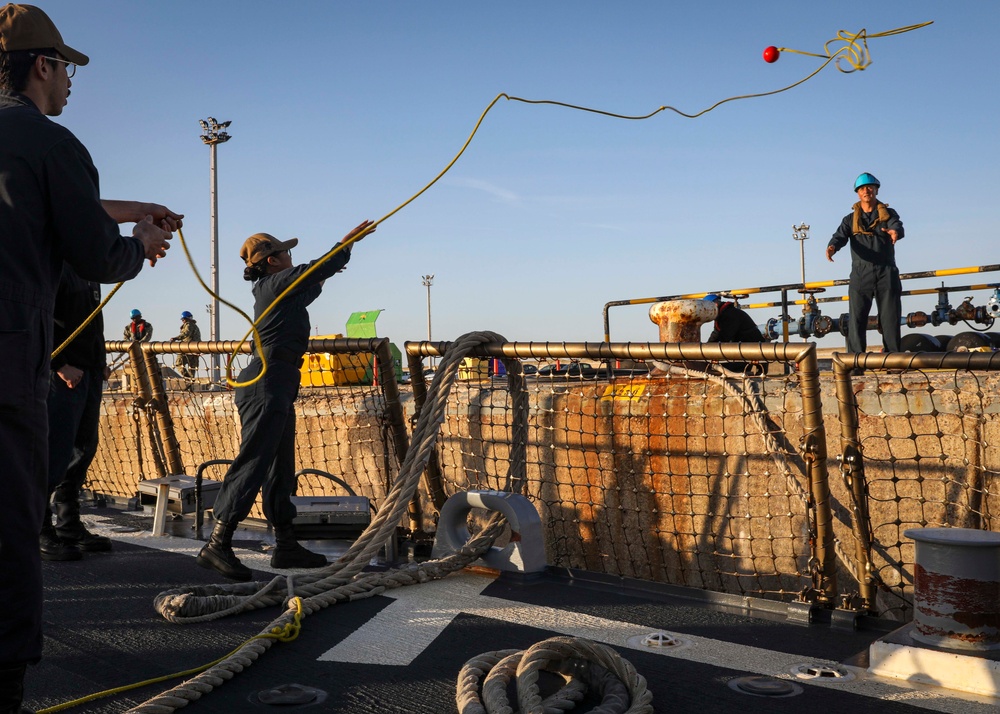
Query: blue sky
x: 342, y: 111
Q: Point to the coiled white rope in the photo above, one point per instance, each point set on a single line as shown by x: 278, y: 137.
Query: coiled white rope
x: 585, y: 665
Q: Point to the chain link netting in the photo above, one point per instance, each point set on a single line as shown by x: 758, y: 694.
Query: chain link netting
x: 692, y: 477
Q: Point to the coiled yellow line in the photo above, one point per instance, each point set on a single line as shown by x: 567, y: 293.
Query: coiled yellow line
x: 854, y: 53
x: 283, y: 634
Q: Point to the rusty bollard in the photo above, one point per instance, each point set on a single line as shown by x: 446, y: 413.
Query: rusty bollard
x: 681, y: 320
x: 956, y: 588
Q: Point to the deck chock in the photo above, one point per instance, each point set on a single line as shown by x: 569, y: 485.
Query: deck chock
x: 525, y: 553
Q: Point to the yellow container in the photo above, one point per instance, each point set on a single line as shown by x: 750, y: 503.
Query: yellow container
x: 322, y: 369
x: 474, y: 369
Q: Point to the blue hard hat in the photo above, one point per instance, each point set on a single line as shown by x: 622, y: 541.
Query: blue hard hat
x: 134, y: 314
x: 711, y: 298
x: 186, y: 315
x: 866, y: 179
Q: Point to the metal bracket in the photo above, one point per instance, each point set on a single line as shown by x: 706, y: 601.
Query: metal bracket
x: 803, y: 613
x: 845, y: 619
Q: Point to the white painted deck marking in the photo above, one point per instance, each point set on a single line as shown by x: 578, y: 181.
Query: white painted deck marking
x: 404, y: 629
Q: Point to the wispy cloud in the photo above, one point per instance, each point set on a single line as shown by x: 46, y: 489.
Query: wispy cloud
x: 500, y: 194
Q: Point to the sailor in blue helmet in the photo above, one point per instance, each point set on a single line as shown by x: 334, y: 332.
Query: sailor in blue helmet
x: 137, y: 330
x: 187, y: 364
x: 732, y: 324
x: 266, y: 461
x: 872, y: 229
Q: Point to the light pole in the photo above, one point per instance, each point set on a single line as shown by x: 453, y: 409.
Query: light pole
x: 428, y: 281
x: 801, y: 234
x: 215, y: 134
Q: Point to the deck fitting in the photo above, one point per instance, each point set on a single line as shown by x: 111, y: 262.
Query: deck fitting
x: 762, y: 686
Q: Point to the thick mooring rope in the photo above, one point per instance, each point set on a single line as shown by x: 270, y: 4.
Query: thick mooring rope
x: 343, y: 580
x: 585, y: 665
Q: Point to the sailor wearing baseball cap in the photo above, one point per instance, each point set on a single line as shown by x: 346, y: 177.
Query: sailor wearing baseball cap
x: 27, y: 30
x: 266, y: 462
x: 261, y: 245
x: 51, y: 213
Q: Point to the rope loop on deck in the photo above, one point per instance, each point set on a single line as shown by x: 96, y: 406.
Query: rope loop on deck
x: 585, y: 666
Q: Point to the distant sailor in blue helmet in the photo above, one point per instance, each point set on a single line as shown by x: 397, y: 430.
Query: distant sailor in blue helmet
x: 137, y: 329
x: 187, y: 364
x: 267, y: 407
x: 872, y: 230
x: 732, y: 324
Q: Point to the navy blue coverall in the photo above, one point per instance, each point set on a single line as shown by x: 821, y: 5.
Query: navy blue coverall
x: 75, y: 412
x: 267, y: 407
x: 50, y: 212
x: 873, y: 275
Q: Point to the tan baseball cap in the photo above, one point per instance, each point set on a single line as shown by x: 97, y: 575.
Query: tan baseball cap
x: 260, y: 245
x: 26, y: 27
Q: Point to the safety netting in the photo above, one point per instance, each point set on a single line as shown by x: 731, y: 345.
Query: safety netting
x: 689, y: 478
x: 342, y: 428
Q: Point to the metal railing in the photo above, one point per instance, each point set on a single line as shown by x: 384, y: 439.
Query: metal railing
x: 633, y: 481
x: 917, y: 435
x: 691, y: 475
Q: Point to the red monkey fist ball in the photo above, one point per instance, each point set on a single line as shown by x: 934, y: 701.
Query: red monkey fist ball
x: 771, y: 54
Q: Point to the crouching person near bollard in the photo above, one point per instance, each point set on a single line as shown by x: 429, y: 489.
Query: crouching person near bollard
x: 266, y: 461
x: 734, y: 325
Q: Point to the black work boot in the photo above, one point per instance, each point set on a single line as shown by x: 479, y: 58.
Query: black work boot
x: 12, y: 689
x: 289, y: 554
x: 53, y: 547
x: 71, y: 530
x: 218, y: 554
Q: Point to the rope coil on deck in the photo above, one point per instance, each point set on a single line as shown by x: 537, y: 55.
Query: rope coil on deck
x: 584, y: 664
x: 343, y: 580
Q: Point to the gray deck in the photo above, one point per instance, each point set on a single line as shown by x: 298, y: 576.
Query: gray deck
x: 401, y: 652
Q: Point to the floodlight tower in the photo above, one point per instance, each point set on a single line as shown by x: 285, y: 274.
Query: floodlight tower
x: 214, y: 134
x: 428, y: 281
x: 801, y: 234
